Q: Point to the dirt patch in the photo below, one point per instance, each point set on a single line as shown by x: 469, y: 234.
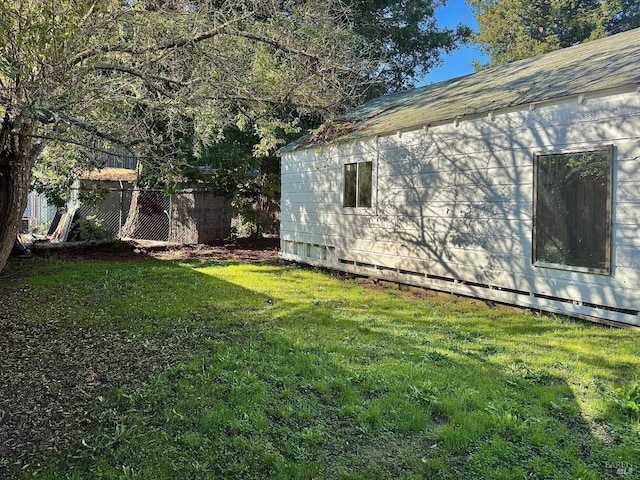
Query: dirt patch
x: 53, y: 375
x: 244, y: 250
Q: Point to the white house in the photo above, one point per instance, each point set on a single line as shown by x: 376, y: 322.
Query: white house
x: 519, y: 184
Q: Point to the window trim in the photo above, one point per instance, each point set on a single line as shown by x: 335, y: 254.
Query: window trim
x: 607, y: 269
x: 358, y: 208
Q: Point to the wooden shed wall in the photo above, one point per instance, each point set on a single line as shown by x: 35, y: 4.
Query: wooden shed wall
x: 453, y: 206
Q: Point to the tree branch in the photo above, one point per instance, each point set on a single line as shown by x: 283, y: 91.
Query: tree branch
x: 72, y: 142
x: 270, y: 101
x: 274, y: 43
x: 176, y: 43
x: 47, y: 116
x: 141, y: 75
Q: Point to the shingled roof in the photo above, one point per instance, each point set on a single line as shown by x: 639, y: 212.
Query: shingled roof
x: 598, y: 65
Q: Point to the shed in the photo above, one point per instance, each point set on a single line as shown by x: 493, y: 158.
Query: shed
x: 518, y: 184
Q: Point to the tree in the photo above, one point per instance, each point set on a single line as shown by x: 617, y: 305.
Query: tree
x: 626, y: 16
x: 516, y: 29
x: 144, y: 75
x: 405, y: 36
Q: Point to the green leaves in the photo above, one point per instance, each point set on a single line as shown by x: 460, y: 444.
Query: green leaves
x: 405, y: 35
x: 148, y: 77
x: 515, y: 29
x: 627, y: 400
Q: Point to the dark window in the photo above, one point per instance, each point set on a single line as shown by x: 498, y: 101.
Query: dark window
x: 358, y: 184
x: 572, y: 209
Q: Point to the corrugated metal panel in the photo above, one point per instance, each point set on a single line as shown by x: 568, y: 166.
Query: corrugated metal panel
x: 594, y: 66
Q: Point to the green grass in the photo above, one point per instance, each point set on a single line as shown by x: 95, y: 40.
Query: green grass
x: 293, y: 373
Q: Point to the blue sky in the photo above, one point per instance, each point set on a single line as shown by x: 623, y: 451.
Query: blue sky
x: 458, y: 62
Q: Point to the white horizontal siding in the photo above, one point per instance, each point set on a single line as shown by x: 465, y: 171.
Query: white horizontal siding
x: 627, y: 234
x: 576, y: 308
x: 627, y: 213
x: 584, y: 292
x: 628, y: 169
x: 628, y: 191
x: 554, y: 126
x: 456, y: 201
x: 507, y: 265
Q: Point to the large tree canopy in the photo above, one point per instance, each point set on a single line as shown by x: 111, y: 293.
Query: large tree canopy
x: 165, y: 80
x: 146, y: 75
x: 516, y: 29
x: 404, y: 34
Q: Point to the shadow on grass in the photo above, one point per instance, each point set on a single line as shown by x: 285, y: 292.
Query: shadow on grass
x: 74, y: 332
x: 232, y: 371
x: 437, y: 395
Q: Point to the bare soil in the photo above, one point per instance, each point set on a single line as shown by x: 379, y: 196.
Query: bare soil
x: 243, y: 249
x: 247, y: 250
x: 53, y: 375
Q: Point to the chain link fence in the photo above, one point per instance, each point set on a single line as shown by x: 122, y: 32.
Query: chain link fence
x: 188, y: 216
x: 108, y: 215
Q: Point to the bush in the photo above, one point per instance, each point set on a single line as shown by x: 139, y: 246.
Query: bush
x: 88, y: 228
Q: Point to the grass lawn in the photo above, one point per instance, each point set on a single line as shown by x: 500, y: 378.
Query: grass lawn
x: 281, y: 372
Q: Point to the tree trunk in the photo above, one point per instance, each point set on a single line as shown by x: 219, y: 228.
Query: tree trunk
x: 17, y: 157
x: 148, y: 217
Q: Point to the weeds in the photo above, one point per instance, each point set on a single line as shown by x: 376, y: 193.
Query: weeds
x: 286, y: 373
x: 627, y: 400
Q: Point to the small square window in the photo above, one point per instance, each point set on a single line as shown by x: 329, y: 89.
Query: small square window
x: 358, y: 184
x: 572, y: 210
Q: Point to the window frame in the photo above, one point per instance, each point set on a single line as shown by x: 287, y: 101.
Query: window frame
x: 609, y: 149
x: 357, y: 206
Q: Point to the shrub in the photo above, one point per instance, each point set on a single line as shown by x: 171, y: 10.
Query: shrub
x: 88, y: 228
